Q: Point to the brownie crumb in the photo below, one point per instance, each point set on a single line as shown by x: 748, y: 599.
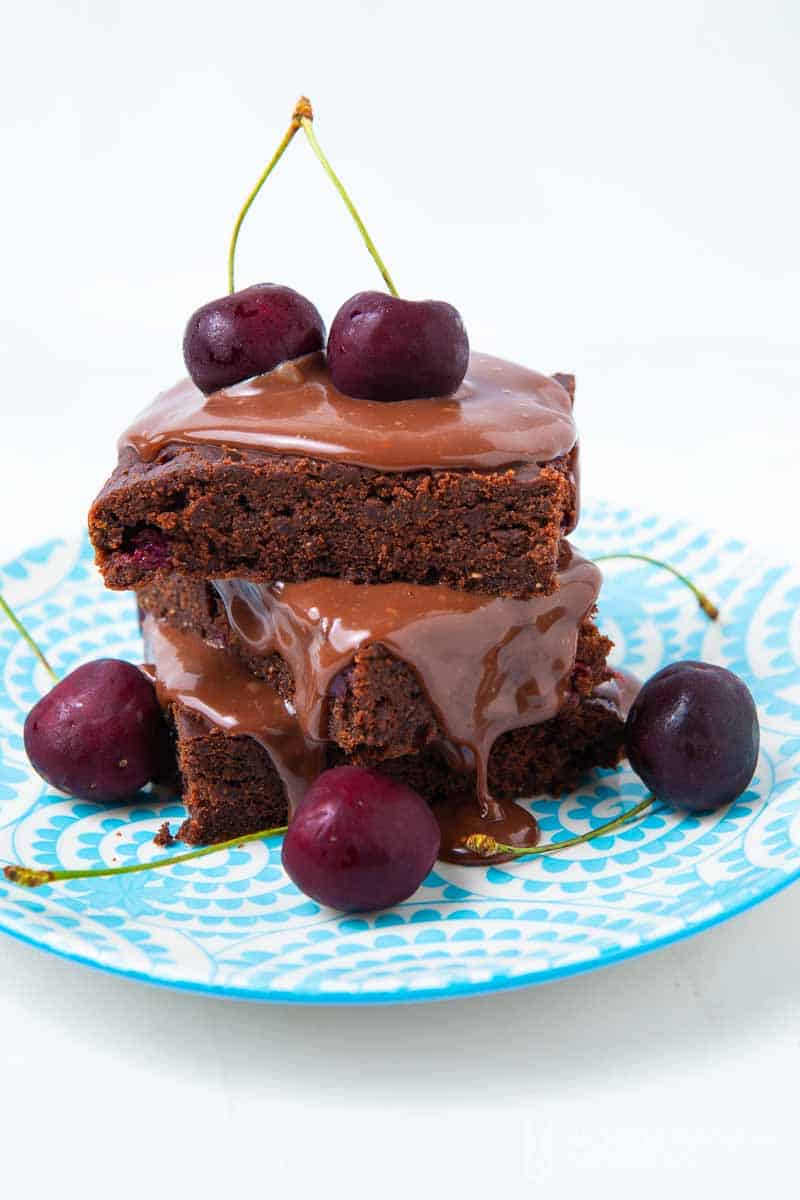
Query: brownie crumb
x: 164, y: 837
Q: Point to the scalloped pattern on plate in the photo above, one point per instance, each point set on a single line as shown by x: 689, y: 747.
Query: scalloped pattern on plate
x: 233, y: 924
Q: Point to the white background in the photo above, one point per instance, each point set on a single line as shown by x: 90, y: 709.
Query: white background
x: 605, y: 188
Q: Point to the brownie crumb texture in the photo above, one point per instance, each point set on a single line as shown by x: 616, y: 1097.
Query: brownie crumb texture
x: 205, y: 513
x: 164, y: 837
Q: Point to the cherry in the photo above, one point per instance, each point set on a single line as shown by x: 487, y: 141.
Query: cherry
x: 360, y: 841
x: 692, y: 735
x: 383, y: 348
x: 248, y: 333
x: 148, y: 550
x: 380, y: 348
x: 99, y: 734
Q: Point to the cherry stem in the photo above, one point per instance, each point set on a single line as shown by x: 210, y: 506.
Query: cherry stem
x: 484, y: 845
x: 708, y: 607
x: 20, y: 628
x: 303, y: 107
x: 306, y: 120
x: 481, y: 844
x: 31, y: 877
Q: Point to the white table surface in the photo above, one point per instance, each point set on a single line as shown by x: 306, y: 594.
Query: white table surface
x: 610, y: 189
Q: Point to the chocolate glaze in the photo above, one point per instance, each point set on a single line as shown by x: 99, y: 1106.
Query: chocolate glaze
x: 209, y: 681
x: 488, y: 664
x: 459, y: 817
x: 215, y: 685
x: 514, y: 825
x: 502, y: 415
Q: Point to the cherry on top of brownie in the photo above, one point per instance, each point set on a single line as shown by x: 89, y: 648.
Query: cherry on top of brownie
x: 374, y: 456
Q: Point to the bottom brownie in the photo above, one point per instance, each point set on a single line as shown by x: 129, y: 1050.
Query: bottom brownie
x: 231, y: 787
x: 229, y: 784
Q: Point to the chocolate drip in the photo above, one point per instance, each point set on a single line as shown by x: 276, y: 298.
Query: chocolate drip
x: 502, y: 415
x: 508, y: 823
x: 215, y: 685
x: 488, y: 664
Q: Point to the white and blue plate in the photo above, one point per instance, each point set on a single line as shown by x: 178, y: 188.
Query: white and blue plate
x: 232, y: 924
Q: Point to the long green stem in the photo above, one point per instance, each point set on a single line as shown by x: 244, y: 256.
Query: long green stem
x: 30, y: 877
x: 20, y: 628
x: 486, y: 846
x: 308, y: 129
x: 301, y: 109
x: 708, y: 607
x: 481, y: 844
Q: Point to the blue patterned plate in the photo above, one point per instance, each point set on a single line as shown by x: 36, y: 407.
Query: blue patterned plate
x: 234, y: 925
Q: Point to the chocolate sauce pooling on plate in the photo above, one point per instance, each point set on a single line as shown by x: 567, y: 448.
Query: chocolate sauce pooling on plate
x: 457, y: 819
x: 502, y: 415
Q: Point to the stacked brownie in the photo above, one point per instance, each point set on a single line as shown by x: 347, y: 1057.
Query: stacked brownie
x: 324, y: 579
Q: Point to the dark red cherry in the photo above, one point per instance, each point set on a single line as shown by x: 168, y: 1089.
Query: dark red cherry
x: 384, y: 348
x: 692, y: 735
x: 360, y: 841
x: 100, y: 733
x: 248, y: 333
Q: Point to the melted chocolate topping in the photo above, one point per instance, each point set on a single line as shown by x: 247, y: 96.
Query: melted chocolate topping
x: 503, y: 414
x: 488, y: 664
x: 458, y: 818
x: 209, y: 682
x: 213, y: 684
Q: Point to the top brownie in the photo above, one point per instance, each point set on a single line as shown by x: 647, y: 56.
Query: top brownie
x: 284, y: 478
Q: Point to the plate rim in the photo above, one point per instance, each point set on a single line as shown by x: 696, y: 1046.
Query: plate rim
x: 452, y: 991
